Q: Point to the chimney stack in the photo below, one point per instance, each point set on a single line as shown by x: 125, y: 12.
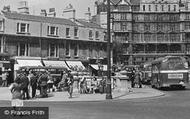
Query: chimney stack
x: 88, y: 15
x: 52, y: 12
x: 69, y: 12
x: 43, y: 12
x: 23, y: 7
x: 7, y: 8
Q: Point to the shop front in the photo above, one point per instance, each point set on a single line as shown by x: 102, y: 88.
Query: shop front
x: 26, y: 61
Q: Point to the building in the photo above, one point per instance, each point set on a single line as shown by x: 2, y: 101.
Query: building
x: 148, y: 29
x: 29, y: 39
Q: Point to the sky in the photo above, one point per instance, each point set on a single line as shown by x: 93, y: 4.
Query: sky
x: 35, y: 6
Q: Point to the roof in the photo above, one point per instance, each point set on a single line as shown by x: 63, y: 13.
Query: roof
x: 88, y: 24
x: 115, y: 2
x: 26, y: 17
x: 135, y: 2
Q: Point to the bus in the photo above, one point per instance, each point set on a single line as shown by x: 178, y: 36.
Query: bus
x: 170, y: 71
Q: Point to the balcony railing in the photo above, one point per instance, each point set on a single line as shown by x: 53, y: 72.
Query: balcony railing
x: 159, y: 52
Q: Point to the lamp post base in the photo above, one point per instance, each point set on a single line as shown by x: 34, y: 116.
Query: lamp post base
x: 108, y: 92
x: 108, y: 96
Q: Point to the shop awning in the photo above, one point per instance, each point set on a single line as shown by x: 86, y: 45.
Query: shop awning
x: 95, y: 66
x: 50, y: 63
x: 27, y: 62
x: 75, y: 65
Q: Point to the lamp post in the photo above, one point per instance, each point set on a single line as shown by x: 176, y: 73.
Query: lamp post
x: 108, y: 85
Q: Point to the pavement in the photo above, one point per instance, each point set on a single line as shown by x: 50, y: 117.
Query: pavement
x: 145, y: 92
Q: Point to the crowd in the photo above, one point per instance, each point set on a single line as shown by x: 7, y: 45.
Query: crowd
x: 26, y: 84
x: 42, y: 81
x: 135, y: 76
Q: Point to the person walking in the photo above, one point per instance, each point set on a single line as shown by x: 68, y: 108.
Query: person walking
x: 132, y: 77
x: 70, y: 81
x: 42, y: 81
x: 33, y: 83
x: 23, y: 81
x: 25, y: 84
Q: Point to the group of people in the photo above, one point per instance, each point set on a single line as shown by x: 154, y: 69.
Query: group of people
x: 33, y: 81
x: 91, y: 86
x: 135, y: 76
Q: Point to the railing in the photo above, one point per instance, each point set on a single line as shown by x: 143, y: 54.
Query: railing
x: 160, y: 52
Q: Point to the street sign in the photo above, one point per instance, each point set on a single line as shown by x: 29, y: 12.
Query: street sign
x: 17, y: 103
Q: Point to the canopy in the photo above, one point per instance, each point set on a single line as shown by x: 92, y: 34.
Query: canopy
x: 95, y: 66
x: 54, y: 63
x: 75, y: 65
x: 27, y: 62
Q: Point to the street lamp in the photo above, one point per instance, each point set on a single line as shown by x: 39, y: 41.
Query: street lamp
x: 108, y: 85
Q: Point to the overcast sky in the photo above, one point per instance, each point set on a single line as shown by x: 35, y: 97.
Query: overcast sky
x: 35, y: 6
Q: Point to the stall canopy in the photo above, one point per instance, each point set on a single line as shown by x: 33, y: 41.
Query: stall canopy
x: 95, y: 66
x: 75, y: 65
x: 50, y: 63
x: 27, y: 62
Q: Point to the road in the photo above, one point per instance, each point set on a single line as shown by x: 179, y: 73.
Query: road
x: 175, y: 105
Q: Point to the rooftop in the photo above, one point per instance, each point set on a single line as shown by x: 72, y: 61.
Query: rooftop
x: 35, y: 18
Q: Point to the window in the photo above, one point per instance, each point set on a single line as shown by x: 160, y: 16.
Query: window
x: 52, y: 31
x: 68, y: 32
x: 168, y: 7
x: 156, y: 7
x: 76, y: 50
x: 147, y: 27
x: 76, y: 32
x: 123, y: 26
x: 149, y: 7
x: 174, y: 7
x: 53, y: 50
x: 162, y: 7
x: 23, y: 49
x: 67, y: 50
x: 1, y: 25
x: 90, y: 34
x: 97, y: 35
x: 143, y: 7
x: 22, y: 28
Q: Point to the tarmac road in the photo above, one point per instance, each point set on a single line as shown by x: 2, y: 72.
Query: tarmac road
x: 174, y: 105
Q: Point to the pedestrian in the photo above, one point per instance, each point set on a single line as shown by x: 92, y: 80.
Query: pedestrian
x: 23, y: 81
x: 33, y: 83
x: 94, y: 84
x: 132, y: 77
x: 70, y: 80
x: 4, y: 78
x: 50, y: 83
x: 42, y: 81
x: 25, y: 84
x: 83, y: 85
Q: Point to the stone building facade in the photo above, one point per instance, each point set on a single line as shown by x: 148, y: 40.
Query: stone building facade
x: 50, y: 38
x: 148, y: 29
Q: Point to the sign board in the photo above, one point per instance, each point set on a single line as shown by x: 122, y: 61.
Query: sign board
x: 17, y: 103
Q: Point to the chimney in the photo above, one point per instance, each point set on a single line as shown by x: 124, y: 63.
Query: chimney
x: 69, y: 12
x: 88, y: 15
x: 43, y: 12
x: 23, y: 7
x: 7, y: 8
x: 52, y: 12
